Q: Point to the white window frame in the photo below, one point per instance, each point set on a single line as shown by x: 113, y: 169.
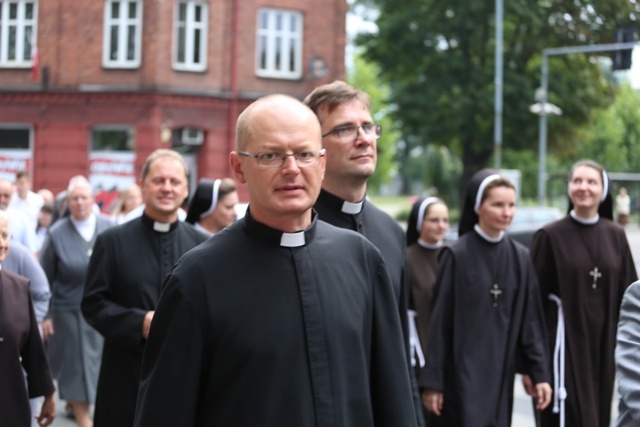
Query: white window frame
x: 284, y: 40
x: 24, y: 49
x: 190, y: 27
x: 122, y: 23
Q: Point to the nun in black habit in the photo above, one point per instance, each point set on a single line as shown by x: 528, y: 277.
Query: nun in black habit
x: 486, y: 313
x: 584, y: 265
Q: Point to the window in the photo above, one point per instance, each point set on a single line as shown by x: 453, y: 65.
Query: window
x: 112, y: 157
x: 279, y: 44
x: 17, y: 32
x: 15, y: 150
x: 190, y: 36
x: 122, y: 33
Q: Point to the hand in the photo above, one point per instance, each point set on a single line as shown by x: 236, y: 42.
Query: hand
x: 48, y: 411
x: 527, y: 383
x: 47, y: 329
x: 433, y: 401
x: 543, y: 395
x: 146, y: 324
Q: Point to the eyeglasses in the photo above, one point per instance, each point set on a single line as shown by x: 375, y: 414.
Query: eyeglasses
x: 349, y: 133
x: 275, y: 159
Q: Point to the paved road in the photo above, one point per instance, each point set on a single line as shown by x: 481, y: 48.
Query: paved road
x: 522, y: 411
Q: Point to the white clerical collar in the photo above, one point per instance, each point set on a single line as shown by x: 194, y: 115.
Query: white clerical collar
x: 435, y: 245
x: 352, y: 208
x: 292, y: 240
x: 85, y: 227
x: 486, y: 237
x: 161, y: 227
x: 585, y: 221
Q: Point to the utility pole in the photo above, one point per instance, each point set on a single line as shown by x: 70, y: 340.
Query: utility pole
x: 497, y: 134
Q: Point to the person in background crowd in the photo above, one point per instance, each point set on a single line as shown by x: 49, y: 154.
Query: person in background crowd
x: 22, y: 262
x: 130, y: 198
x: 20, y: 227
x: 349, y: 135
x: 427, y: 225
x: 584, y: 264
x: 486, y: 313
x: 213, y: 206
x: 124, y: 278
x: 303, y: 326
x: 623, y: 206
x: 21, y: 349
x: 47, y: 196
x: 45, y: 218
x: 74, y: 346
x: 26, y: 200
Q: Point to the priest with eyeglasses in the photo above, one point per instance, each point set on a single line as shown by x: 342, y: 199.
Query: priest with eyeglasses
x: 280, y: 319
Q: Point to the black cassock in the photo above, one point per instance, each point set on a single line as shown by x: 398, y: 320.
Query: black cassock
x: 566, y: 254
x: 124, y: 279
x: 477, y: 331
x: 249, y: 332
x: 387, y: 235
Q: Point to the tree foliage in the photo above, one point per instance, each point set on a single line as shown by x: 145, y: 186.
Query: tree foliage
x: 438, y: 58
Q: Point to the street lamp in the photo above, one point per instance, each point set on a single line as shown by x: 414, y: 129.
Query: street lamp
x: 543, y: 109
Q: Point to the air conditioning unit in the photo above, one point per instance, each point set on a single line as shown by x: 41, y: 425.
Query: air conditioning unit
x: 192, y: 136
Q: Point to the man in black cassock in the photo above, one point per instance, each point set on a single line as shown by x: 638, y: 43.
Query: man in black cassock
x: 280, y: 319
x: 124, y: 279
x: 349, y: 136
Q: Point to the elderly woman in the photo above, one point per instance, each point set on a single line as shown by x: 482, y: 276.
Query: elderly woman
x: 75, y: 347
x: 21, y: 349
x: 213, y: 206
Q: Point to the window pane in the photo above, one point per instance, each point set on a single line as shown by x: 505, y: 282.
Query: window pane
x: 182, y: 12
x: 112, y: 140
x: 181, y: 45
x: 131, y: 42
x: 13, y: 10
x: 28, y: 39
x: 293, y: 23
x: 14, y: 138
x: 29, y: 11
x: 262, y: 51
x: 196, y: 47
x: 12, y: 43
x: 113, y: 52
x: 133, y: 11
x: 198, y: 13
x: 278, y: 21
x: 264, y: 18
x: 278, y: 56
x: 115, y: 9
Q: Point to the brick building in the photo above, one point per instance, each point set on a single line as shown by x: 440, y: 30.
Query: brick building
x: 112, y: 80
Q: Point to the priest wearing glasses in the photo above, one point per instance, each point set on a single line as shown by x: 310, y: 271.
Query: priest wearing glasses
x: 281, y: 319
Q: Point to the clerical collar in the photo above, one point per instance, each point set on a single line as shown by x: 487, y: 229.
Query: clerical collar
x: 585, y: 221
x: 486, y: 237
x: 160, y: 227
x: 274, y: 237
x: 85, y: 227
x: 340, y: 204
x: 436, y: 245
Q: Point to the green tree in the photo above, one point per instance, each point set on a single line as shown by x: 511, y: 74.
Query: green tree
x: 438, y: 58
x: 613, y: 139
x: 364, y: 76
